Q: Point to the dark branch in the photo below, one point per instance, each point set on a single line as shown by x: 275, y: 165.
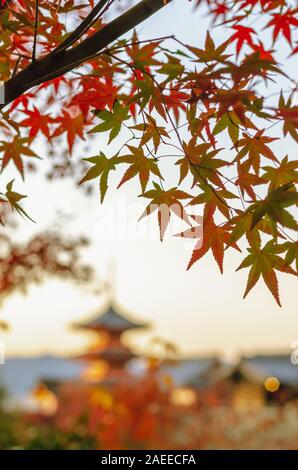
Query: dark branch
x: 53, y: 66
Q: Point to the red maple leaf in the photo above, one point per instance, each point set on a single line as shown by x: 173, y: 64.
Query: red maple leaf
x: 56, y: 82
x: 264, y: 55
x: 242, y: 35
x: 210, y: 237
x: 175, y: 101
x: 72, y: 125
x: 19, y: 42
x: 23, y: 99
x: 282, y: 23
x: 220, y: 10
x: 37, y: 122
x: 295, y: 50
x: 96, y: 94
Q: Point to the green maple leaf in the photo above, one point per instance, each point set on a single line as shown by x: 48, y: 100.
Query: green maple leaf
x: 14, y: 198
x: 101, y: 167
x: 286, y: 172
x: 274, y: 205
x: 112, y: 120
x: 263, y: 262
x: 173, y: 68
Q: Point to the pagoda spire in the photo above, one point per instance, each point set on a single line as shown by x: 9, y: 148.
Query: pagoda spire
x: 111, y: 281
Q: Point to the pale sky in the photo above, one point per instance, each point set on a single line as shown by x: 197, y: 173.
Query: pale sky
x: 201, y: 311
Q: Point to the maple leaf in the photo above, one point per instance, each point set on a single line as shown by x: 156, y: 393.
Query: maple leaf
x: 73, y: 125
x: 19, y: 43
x: 14, y: 198
x: 281, y: 23
x: 252, y: 65
x: 96, y: 94
x: 232, y: 101
x: 55, y: 82
x: 201, y: 123
x: 291, y: 254
x: 175, y: 101
x: 142, y: 55
x: 231, y: 122
x: 203, y: 88
x: 149, y: 93
x: 210, y: 53
x: 201, y: 163
x: 247, y: 180
x: 289, y: 114
x: 165, y: 202
x: 241, y: 224
x: 13, y: 151
x: 212, y: 200
x: 220, y: 10
x: 139, y: 165
x: 211, y: 237
x: 151, y: 131
x: 37, y: 122
x: 285, y: 173
x: 263, y: 262
x: 173, y: 68
x: 262, y: 53
x: 113, y: 120
x: 254, y: 147
x: 243, y: 35
x: 23, y: 99
x: 274, y: 205
x: 101, y: 167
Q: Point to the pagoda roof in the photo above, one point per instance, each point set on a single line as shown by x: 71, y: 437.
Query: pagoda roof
x: 111, y: 320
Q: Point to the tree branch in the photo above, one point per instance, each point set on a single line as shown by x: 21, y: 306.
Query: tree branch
x: 53, y: 66
x: 82, y: 28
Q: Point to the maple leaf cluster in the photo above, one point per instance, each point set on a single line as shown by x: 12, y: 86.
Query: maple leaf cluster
x: 203, y: 109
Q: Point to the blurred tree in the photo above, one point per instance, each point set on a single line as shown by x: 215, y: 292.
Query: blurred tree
x: 46, y: 253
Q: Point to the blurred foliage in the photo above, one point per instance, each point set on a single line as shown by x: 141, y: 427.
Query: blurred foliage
x: 48, y: 252
x: 45, y: 253
x: 140, y: 416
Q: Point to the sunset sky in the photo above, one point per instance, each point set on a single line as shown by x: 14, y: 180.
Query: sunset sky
x: 201, y: 311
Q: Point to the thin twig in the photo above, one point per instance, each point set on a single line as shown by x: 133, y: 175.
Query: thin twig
x: 83, y: 26
x: 35, y: 31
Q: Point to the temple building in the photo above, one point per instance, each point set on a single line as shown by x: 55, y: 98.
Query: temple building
x: 106, y: 361
x: 250, y: 384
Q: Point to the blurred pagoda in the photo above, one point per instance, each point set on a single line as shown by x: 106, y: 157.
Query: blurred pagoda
x: 108, y: 358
